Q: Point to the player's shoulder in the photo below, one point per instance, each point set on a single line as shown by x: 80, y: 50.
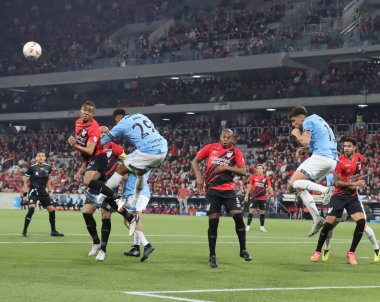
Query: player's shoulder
x: 360, y: 157
x: 46, y: 164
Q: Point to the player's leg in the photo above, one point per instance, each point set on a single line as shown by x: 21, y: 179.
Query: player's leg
x: 87, y: 212
x: 326, y: 251
x: 46, y: 203
x: 262, y: 215
x: 106, y: 230
x: 28, y: 217
x: 358, y: 216
x: 371, y: 236
x: 215, y: 206
x: 233, y: 206
x: 323, y: 235
x: 250, y: 214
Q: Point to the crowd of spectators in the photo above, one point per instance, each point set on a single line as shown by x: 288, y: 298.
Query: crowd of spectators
x: 337, y: 80
x: 72, y: 33
x: 266, y: 144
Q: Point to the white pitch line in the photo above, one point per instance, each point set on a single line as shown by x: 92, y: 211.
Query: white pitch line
x: 162, y: 294
x: 169, y: 297
x: 163, y: 242
x: 180, y: 235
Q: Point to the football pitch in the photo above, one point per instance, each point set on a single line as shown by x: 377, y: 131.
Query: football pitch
x: 44, y: 268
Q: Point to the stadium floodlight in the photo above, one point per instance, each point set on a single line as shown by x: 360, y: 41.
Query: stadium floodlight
x: 190, y: 113
x: 270, y: 109
x: 197, y: 76
x: 362, y: 105
x: 174, y: 78
x: 166, y: 119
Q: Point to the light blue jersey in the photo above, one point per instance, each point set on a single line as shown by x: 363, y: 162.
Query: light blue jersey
x: 322, y: 141
x: 129, y: 185
x: 139, y: 131
x: 330, y: 179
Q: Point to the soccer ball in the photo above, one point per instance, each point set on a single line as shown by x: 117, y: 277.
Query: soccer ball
x: 32, y: 50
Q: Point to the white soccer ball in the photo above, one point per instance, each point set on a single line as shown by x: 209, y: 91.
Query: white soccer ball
x: 32, y: 50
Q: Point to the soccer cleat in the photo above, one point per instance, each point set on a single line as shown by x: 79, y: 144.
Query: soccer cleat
x: 120, y: 203
x: 327, y: 196
x: 132, y: 224
x: 95, y: 248
x: 316, y: 226
x: 101, y: 255
x: 213, y: 262
x: 326, y: 255
x: 351, y: 258
x: 245, y: 255
x: 376, y: 256
x: 133, y: 252
x: 148, y: 249
x: 56, y: 234
x: 247, y: 228
x: 315, y: 257
x: 24, y: 234
x: 262, y: 229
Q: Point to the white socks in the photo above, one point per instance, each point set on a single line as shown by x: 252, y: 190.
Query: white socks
x: 114, y: 181
x: 371, y: 237
x: 308, y: 201
x: 141, y: 238
x: 309, y: 185
x: 139, y: 186
x: 136, y: 239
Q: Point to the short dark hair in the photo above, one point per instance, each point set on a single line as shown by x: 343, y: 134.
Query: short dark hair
x: 118, y: 111
x: 40, y: 151
x: 260, y: 165
x: 350, y: 139
x: 297, y: 111
x: 89, y: 103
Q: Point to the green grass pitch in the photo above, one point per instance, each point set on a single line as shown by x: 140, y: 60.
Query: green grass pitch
x: 43, y: 268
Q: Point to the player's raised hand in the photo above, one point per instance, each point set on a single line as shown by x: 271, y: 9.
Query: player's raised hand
x: 200, y: 183
x: 71, y: 140
x: 360, y: 183
x: 77, y: 177
x: 296, y: 132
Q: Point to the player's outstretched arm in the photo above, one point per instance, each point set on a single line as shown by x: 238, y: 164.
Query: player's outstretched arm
x: 200, y: 180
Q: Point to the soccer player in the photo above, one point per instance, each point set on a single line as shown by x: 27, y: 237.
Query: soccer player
x: 87, y: 142
x: 346, y: 179
x: 258, y: 185
x: 313, y: 133
x: 114, y: 153
x: 367, y: 230
x: 151, y: 150
x: 37, y: 187
x: 224, y: 160
x: 138, y: 207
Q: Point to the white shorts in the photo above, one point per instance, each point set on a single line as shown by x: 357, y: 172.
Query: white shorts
x: 138, y: 160
x: 139, y: 206
x: 317, y: 167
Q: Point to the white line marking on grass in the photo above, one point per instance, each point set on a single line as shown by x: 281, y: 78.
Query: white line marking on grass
x: 161, y: 242
x: 166, y: 297
x: 178, y: 235
x: 162, y: 294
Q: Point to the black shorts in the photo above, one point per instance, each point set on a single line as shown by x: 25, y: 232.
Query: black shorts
x: 44, y: 200
x: 254, y: 203
x: 217, y: 198
x: 340, y: 202
x: 98, y: 163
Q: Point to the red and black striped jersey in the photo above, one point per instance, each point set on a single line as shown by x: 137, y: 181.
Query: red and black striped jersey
x: 349, y: 171
x: 88, y: 132
x: 113, y: 151
x: 259, y: 185
x: 218, y: 156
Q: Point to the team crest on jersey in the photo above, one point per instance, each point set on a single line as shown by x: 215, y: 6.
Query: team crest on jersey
x: 229, y: 154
